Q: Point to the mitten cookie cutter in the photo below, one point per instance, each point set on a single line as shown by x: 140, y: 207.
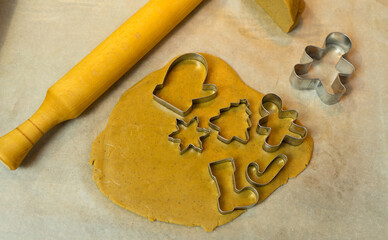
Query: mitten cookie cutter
x: 336, y: 43
x: 205, y: 87
x: 295, y: 128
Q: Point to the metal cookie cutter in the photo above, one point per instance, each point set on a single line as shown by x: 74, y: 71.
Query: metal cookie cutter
x: 283, y: 160
x: 215, y: 127
x: 176, y: 140
x: 336, y: 44
x: 252, y: 189
x: 261, y: 129
x: 206, y: 87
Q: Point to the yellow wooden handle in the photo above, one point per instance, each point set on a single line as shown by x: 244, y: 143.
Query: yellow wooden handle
x: 94, y: 74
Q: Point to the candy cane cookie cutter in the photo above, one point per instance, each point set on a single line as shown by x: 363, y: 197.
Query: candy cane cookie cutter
x: 279, y: 159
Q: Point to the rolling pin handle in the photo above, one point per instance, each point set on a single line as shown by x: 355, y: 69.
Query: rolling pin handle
x: 15, y: 145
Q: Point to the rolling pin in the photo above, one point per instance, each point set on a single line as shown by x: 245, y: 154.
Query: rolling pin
x: 94, y: 74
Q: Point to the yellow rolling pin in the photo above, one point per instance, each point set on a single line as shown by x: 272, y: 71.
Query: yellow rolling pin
x: 94, y: 74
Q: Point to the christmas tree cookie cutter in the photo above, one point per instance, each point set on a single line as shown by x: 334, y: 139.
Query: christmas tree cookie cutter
x: 250, y: 188
x: 205, y: 87
x: 336, y: 43
x: 294, y: 128
x: 222, y: 110
x: 177, y: 140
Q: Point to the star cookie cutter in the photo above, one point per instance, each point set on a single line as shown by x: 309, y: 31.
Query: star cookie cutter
x: 252, y: 189
x: 336, y: 43
x: 215, y: 127
x: 205, y: 87
x: 261, y: 129
x: 177, y: 140
x: 283, y: 160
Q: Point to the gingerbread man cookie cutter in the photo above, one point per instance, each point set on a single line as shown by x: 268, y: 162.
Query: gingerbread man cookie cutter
x: 337, y: 44
x: 205, y: 87
x: 294, y: 128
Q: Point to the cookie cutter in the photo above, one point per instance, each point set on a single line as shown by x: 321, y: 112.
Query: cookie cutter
x: 215, y: 127
x: 177, y: 140
x: 252, y: 189
x: 205, y: 87
x: 261, y: 129
x: 337, y: 43
x: 283, y: 158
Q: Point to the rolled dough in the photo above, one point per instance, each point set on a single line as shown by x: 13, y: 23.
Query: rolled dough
x: 139, y: 169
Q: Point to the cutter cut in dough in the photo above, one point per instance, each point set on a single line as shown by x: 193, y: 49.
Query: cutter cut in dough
x: 139, y: 169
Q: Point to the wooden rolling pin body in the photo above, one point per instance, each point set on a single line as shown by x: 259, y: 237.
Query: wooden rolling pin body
x: 93, y: 75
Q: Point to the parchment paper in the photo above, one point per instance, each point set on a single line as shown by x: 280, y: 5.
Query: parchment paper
x: 342, y: 194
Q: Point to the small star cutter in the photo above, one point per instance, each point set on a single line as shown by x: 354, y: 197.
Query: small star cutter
x: 337, y: 43
x: 295, y: 128
x: 205, y: 87
x: 250, y: 188
x: 177, y: 140
x: 222, y: 110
